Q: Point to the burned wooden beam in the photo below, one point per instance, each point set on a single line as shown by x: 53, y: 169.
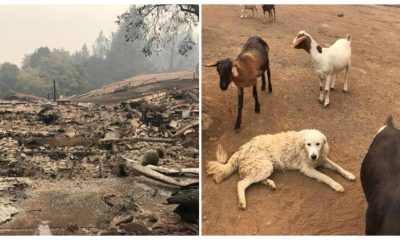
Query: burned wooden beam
x: 150, y: 173
x: 175, y: 172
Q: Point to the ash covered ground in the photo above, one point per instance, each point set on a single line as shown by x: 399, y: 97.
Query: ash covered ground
x: 69, y: 167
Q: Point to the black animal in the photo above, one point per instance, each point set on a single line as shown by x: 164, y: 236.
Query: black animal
x: 269, y: 9
x: 252, y: 62
x: 380, y: 178
x: 187, y: 199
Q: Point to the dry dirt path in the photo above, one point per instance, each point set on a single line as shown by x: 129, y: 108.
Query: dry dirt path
x: 299, y: 205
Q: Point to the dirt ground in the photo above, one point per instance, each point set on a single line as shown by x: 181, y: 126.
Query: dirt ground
x: 300, y: 205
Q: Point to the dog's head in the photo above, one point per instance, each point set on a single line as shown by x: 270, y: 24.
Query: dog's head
x: 315, y: 144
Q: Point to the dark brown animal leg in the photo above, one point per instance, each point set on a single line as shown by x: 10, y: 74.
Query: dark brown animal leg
x: 257, y: 104
x: 263, y: 83
x: 269, y: 78
x: 240, y: 106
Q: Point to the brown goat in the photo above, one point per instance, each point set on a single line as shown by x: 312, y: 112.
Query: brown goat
x: 252, y: 62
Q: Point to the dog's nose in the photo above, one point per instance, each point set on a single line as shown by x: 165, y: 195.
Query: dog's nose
x: 313, y: 157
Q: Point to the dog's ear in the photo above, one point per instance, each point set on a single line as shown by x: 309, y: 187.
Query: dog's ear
x: 325, y: 148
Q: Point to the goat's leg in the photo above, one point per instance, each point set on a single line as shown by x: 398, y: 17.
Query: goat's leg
x: 333, y: 82
x: 263, y: 83
x: 265, y: 19
x: 270, y: 16
x: 242, y: 14
x: 335, y: 167
x: 274, y: 14
x: 327, y: 84
x: 346, y: 78
x: 256, y: 11
x: 321, y: 90
x: 240, y: 106
x: 269, y: 77
x: 257, y: 104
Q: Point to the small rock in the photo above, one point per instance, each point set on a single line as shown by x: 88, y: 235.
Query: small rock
x: 152, y: 217
x: 119, y: 220
x: 137, y: 228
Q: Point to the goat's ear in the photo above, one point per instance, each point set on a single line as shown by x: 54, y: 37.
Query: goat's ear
x: 298, y: 40
x: 211, y: 64
x: 235, y: 72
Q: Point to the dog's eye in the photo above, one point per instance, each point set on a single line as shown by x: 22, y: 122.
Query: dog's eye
x: 308, y: 144
x: 317, y: 144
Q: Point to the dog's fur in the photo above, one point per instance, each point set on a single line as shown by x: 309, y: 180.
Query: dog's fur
x: 255, y: 161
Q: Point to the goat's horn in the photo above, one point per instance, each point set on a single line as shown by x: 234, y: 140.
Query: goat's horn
x: 211, y: 64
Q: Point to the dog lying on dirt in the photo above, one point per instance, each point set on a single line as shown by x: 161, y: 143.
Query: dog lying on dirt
x: 256, y: 160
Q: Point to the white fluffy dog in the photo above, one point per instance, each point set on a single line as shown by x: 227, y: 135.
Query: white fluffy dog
x: 255, y: 161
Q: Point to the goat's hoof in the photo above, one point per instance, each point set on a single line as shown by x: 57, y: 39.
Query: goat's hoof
x: 320, y: 101
x: 270, y: 90
x: 237, y: 128
x: 332, y: 88
x: 242, y: 206
x: 257, y: 110
x: 345, y: 90
x: 262, y: 88
x: 326, y: 105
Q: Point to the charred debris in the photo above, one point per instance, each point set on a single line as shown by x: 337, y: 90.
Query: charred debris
x: 153, y: 138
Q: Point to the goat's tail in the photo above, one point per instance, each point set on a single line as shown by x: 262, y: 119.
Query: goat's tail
x: 389, y: 121
x: 220, y: 168
x: 348, y: 37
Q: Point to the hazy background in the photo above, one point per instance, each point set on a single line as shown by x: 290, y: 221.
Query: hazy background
x: 23, y: 28
x: 81, y: 47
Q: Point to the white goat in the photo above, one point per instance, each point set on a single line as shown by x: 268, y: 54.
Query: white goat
x: 328, y: 62
x: 248, y: 7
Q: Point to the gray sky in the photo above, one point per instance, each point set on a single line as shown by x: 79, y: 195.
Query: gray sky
x: 23, y: 28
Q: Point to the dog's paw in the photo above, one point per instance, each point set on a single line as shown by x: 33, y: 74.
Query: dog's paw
x: 349, y: 176
x: 270, y: 184
x: 337, y: 187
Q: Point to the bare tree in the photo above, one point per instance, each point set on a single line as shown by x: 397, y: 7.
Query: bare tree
x: 157, y: 24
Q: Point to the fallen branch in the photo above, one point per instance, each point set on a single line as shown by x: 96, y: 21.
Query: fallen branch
x: 174, y: 172
x: 150, y: 173
x: 184, y: 129
x: 138, y: 139
x: 67, y: 142
x: 190, y: 170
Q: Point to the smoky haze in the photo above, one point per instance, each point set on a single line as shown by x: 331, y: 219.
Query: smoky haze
x: 81, y: 47
x: 23, y: 28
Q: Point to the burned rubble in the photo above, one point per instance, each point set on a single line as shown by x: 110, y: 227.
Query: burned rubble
x: 44, y: 142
